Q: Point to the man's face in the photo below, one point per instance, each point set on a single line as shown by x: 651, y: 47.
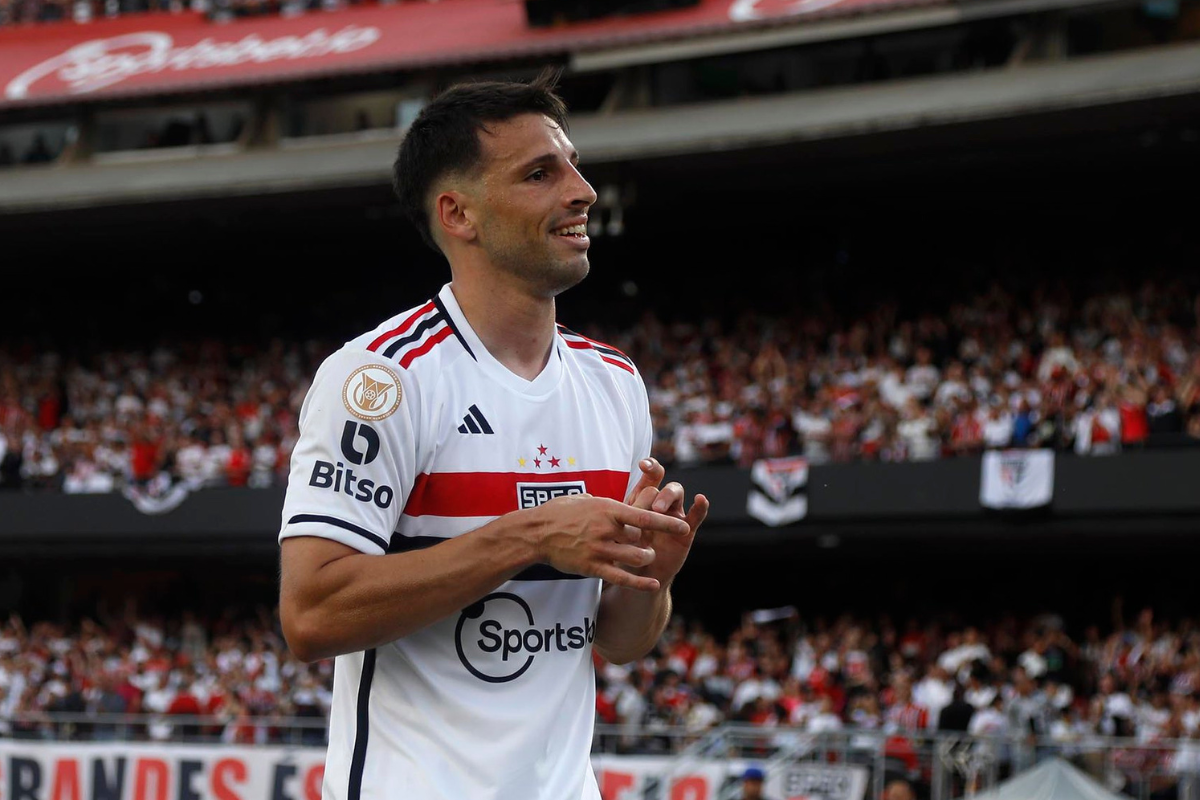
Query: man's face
x: 752, y: 789
x: 531, y: 204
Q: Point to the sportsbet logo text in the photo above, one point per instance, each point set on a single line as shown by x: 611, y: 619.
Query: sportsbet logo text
x: 497, y: 638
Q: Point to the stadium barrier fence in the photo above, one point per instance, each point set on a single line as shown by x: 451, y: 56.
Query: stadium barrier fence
x: 646, y: 761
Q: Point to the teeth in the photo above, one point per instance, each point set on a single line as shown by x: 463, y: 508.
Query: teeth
x: 574, y: 230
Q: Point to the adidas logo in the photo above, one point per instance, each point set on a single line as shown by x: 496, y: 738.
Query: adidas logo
x: 474, y: 422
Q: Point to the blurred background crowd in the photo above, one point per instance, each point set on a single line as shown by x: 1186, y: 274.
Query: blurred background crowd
x: 230, y: 677
x: 1088, y: 374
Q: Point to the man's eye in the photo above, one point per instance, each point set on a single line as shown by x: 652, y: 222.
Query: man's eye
x: 537, y: 175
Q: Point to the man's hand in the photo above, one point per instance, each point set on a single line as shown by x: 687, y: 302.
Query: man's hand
x: 599, y: 537
x: 670, y: 550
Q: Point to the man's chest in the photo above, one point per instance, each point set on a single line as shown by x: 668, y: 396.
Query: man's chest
x: 487, y: 453
x: 580, y: 427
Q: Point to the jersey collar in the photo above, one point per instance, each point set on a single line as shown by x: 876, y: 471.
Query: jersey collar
x: 540, y: 387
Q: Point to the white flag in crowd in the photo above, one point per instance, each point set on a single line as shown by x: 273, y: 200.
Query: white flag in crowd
x: 778, y: 490
x: 1017, y: 479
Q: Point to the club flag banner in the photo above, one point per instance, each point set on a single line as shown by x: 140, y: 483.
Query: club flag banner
x: 817, y: 782
x: 125, y: 771
x: 159, y: 496
x: 1017, y: 479
x: 778, y: 491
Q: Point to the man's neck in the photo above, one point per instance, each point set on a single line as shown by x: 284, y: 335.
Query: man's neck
x: 515, y: 327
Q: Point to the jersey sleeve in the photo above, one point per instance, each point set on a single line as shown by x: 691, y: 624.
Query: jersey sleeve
x: 354, y: 464
x: 643, y: 436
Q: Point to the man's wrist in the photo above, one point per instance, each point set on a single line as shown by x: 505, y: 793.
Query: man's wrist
x: 521, y: 534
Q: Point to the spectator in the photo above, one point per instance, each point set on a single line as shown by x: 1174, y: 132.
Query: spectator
x: 956, y: 715
x: 903, y: 714
x: 752, y: 784
x: 898, y: 790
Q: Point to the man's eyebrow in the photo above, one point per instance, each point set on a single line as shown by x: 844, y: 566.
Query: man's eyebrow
x: 547, y: 159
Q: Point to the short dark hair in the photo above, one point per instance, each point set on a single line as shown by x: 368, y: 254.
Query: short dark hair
x: 444, y: 138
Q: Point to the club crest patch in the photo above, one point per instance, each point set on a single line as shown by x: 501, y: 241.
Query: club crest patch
x: 372, y: 392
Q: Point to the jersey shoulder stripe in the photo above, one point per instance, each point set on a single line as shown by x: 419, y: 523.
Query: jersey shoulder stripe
x: 402, y: 327
x: 442, y: 334
x: 601, y: 346
x: 608, y: 354
x: 418, y: 333
x: 427, y: 324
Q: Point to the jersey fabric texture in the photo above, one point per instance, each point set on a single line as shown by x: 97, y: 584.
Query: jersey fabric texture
x: 412, y: 434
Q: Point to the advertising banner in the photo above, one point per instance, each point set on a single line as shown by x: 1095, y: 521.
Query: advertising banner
x: 123, y: 771
x: 817, y: 782
x: 658, y: 778
x: 149, y: 53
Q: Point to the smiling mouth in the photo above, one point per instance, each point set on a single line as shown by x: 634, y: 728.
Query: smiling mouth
x: 574, y: 231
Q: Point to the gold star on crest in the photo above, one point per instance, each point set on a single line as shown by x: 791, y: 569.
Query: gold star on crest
x: 521, y: 461
x: 571, y: 461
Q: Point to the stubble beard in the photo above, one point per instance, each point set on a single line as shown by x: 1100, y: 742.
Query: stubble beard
x: 546, y: 274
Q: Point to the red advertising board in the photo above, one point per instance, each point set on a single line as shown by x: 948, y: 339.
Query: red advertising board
x: 153, y: 53
x: 143, y: 771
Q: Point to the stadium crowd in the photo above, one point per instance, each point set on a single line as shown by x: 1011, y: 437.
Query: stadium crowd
x: 231, y: 678
x: 1110, y: 372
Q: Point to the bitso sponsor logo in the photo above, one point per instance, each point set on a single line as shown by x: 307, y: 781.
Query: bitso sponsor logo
x: 372, y: 392
x: 341, y: 478
x: 497, y: 639
x: 100, y: 63
x: 353, y: 431
x: 532, y: 495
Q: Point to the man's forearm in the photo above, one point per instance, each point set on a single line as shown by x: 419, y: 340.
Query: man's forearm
x: 360, y: 601
x: 630, y: 622
x: 335, y: 600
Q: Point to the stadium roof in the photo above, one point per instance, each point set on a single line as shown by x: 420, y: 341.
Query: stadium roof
x: 170, y: 53
x: 726, y: 126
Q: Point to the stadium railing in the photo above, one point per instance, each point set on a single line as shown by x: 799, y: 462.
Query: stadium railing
x: 943, y: 764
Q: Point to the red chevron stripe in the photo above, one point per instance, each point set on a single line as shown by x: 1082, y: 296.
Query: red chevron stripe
x: 617, y: 363
x: 426, y: 346
x: 608, y: 359
x: 402, y: 327
x: 593, y: 341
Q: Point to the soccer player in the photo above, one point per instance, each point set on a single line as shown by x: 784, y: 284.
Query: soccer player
x: 471, y: 506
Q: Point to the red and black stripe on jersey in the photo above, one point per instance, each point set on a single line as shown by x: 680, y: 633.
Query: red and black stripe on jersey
x: 419, y: 333
x: 608, y: 353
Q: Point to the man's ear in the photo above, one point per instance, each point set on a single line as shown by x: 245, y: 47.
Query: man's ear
x: 452, y: 217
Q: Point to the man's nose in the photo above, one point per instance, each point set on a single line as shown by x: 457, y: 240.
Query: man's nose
x: 582, y: 193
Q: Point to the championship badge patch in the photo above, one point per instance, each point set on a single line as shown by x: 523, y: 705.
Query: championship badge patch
x: 372, y: 392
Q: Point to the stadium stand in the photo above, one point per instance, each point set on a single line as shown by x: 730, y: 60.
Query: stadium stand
x: 1093, y: 375
x: 230, y: 678
x: 855, y: 232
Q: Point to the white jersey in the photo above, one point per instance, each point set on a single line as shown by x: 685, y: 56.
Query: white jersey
x: 413, y: 434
